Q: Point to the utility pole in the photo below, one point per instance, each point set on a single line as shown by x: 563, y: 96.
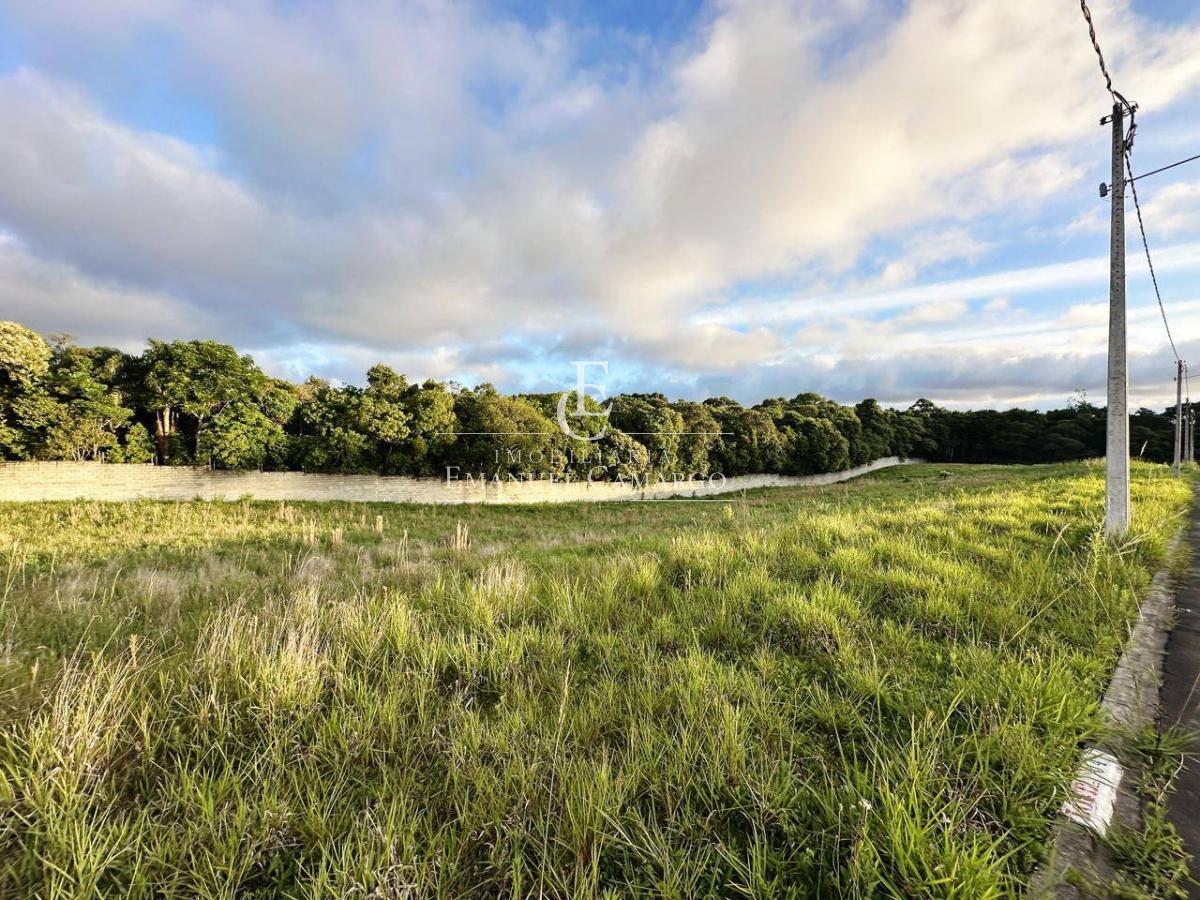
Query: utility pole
x: 1178, y: 417
x: 1191, y: 444
x: 1186, y: 434
x: 1186, y: 430
x: 1116, y: 481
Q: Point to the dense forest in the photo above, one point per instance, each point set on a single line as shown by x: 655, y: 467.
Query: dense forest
x: 201, y: 403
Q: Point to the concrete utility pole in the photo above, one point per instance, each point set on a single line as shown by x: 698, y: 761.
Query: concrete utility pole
x: 1178, y: 416
x: 1186, y: 430
x: 1116, y: 482
x: 1184, y: 457
x: 1191, y: 441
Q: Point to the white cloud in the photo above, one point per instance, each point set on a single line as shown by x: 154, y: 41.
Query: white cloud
x: 1174, y: 210
x: 1093, y: 221
x: 1033, y: 279
x: 57, y: 298
x: 1084, y: 314
x: 699, y: 347
x: 406, y: 178
x: 929, y: 248
x: 937, y: 312
x: 348, y: 362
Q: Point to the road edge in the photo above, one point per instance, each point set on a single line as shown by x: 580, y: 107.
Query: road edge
x: 1131, y: 701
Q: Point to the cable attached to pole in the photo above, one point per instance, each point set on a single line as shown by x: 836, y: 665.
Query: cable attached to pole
x: 1087, y: 15
x: 1146, y: 246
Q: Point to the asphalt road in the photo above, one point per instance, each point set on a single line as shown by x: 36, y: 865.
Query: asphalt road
x: 1180, y: 697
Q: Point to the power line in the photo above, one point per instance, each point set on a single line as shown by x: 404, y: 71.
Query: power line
x: 1164, y: 168
x: 1087, y: 14
x: 1146, y: 246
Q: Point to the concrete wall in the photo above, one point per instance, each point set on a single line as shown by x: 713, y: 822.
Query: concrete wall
x: 37, y: 481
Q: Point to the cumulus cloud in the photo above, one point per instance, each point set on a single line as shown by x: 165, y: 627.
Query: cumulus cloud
x: 707, y: 346
x: 1028, y: 280
x: 61, y: 300
x: 962, y: 376
x: 1175, y: 209
x: 1084, y: 314
x: 926, y: 249
x: 936, y: 312
x: 409, y: 180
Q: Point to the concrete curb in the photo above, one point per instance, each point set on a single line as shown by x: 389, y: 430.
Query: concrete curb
x: 1131, y: 701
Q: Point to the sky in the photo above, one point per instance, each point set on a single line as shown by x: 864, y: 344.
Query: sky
x: 749, y: 198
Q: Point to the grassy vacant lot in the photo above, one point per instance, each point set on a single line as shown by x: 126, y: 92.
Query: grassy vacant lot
x: 874, y: 689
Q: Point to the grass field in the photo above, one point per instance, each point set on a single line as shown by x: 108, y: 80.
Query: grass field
x: 873, y: 689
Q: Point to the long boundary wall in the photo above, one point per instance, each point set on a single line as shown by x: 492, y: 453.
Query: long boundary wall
x: 39, y: 481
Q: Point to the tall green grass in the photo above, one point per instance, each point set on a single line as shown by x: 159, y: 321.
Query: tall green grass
x: 874, y: 689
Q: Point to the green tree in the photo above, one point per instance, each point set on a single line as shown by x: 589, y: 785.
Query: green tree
x: 383, y: 414
x: 700, y: 433
x: 935, y: 423
x: 165, y: 382
x: 432, y: 426
x: 619, y: 457
x: 24, y: 355
x: 588, y: 445
x: 27, y: 410
x: 810, y: 445
x: 878, y: 429
x: 325, y: 426
x: 138, y: 446
x: 844, y: 419
x: 277, y: 399
x: 506, y: 435
x: 91, y: 409
x: 751, y: 443
x: 652, y: 423
x: 241, y: 436
x: 911, y: 436
x: 197, y: 379
x: 202, y: 399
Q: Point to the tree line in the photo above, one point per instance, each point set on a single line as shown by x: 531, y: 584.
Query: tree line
x: 202, y: 403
